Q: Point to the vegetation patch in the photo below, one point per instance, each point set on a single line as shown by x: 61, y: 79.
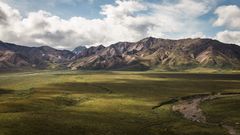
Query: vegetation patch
x: 25, y: 93
x: 111, y: 103
x: 4, y: 91
x: 170, y: 101
x: 69, y: 101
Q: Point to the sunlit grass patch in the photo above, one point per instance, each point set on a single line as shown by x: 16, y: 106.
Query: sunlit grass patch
x: 109, y: 103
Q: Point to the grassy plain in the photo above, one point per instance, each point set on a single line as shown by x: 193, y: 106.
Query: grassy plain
x: 109, y: 103
x: 224, y: 111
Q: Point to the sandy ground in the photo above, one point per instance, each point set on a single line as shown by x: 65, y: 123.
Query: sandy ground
x: 190, y: 110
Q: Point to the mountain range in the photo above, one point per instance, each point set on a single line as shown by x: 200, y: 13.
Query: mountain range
x: 146, y: 54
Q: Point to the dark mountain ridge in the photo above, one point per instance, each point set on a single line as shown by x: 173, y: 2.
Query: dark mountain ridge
x: 151, y: 53
x: 148, y: 53
x: 15, y: 56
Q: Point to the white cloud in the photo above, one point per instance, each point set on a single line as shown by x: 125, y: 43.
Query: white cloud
x: 8, y: 14
x: 228, y: 16
x: 126, y: 20
x: 229, y: 36
x: 123, y: 9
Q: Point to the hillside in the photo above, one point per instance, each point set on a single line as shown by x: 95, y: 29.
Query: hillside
x: 151, y: 53
x: 19, y: 57
x: 146, y: 54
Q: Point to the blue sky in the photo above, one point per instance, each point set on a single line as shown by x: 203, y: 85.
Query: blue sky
x: 63, y: 8
x: 70, y: 23
x: 85, y: 8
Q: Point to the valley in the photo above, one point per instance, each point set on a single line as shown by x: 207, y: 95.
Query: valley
x: 114, y: 103
x: 119, y: 67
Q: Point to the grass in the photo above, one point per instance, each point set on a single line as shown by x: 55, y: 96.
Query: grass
x: 223, y: 110
x: 104, y: 103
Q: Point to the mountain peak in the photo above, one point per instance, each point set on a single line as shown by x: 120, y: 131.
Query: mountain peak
x: 151, y: 52
x: 148, y: 39
x: 100, y: 46
x: 79, y: 49
x: 148, y: 53
x: 23, y: 57
x: 47, y: 48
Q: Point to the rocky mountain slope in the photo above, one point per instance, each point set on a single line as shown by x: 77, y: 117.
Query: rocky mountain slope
x: 16, y: 57
x: 149, y: 53
x: 79, y: 50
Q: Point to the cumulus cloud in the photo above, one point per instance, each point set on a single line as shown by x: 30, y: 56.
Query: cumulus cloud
x: 3, y: 18
x: 229, y: 36
x: 228, y: 16
x: 8, y: 14
x: 126, y: 20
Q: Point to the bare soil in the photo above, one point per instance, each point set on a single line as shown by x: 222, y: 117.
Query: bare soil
x: 190, y: 109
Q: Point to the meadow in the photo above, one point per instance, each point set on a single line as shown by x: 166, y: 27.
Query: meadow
x: 112, y: 103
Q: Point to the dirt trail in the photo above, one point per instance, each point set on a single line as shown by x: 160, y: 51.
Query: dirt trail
x: 231, y: 130
x: 190, y: 110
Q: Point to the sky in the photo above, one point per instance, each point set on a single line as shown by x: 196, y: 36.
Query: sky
x: 66, y: 24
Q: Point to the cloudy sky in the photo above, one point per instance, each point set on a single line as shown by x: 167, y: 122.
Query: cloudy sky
x: 65, y: 24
